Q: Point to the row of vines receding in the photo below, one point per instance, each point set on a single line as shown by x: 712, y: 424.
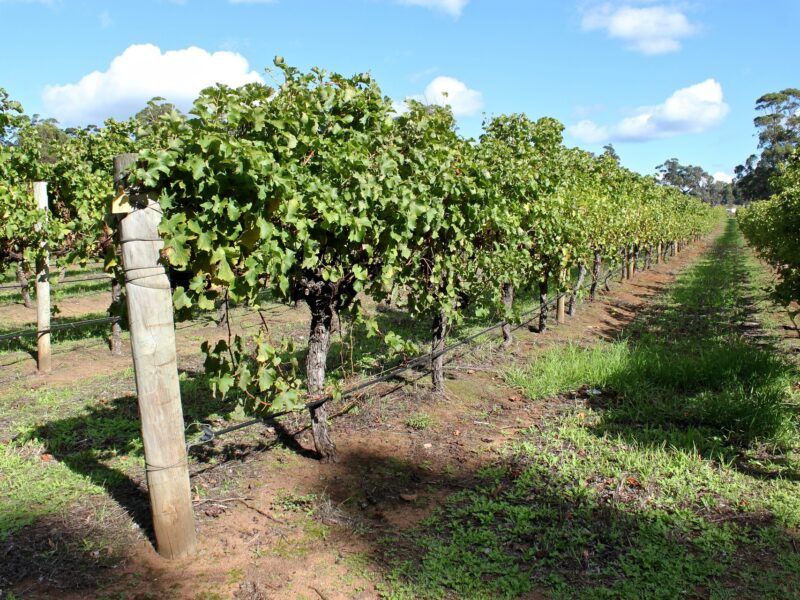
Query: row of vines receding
x: 320, y: 190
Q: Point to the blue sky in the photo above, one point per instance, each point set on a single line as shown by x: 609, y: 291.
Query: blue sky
x: 657, y: 79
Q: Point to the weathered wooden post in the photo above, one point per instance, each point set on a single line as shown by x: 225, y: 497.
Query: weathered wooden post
x: 149, y: 302
x: 42, y: 288
x: 658, y: 254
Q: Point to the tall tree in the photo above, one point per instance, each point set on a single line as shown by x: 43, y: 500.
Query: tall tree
x: 689, y: 179
x: 778, y: 128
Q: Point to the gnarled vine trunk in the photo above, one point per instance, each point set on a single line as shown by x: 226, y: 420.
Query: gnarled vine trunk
x: 319, y: 342
x: 578, y: 285
x: 22, y: 280
x: 437, y: 346
x: 116, y: 309
x: 624, y: 254
x: 222, y: 312
x: 507, y: 296
x: 543, y: 285
x: 631, y: 263
x: 596, y: 266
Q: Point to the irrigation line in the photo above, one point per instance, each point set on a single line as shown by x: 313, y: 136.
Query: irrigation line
x: 81, y: 279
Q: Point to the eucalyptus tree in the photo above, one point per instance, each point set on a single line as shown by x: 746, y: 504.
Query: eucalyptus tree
x: 296, y: 189
x: 778, y: 125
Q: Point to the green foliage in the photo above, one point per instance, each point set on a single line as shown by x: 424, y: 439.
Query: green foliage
x: 448, y: 210
x: 295, y: 190
x: 419, y: 421
x: 318, y: 191
x: 773, y: 228
x: 24, y: 228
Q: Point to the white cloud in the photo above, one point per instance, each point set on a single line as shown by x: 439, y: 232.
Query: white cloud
x: 689, y: 110
x: 723, y: 177
x: 452, y: 7
x: 649, y: 30
x: 589, y: 132
x: 448, y: 91
x: 140, y: 73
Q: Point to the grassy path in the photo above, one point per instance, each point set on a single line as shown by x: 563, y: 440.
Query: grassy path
x: 669, y: 471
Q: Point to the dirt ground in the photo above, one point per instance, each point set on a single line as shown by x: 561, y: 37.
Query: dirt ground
x: 273, y: 522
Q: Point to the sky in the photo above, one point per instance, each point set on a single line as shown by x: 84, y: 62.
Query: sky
x: 656, y: 79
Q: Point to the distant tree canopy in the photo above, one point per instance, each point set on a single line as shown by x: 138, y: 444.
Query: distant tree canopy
x: 778, y: 128
x: 609, y: 151
x: 156, y: 108
x: 694, y: 181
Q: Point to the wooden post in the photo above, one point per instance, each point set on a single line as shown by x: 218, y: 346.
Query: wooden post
x: 149, y: 302
x: 658, y: 254
x: 42, y: 289
x: 561, y: 313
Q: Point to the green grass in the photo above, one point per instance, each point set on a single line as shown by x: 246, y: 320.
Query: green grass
x: 31, y: 486
x: 419, y: 421
x: 668, y: 467
x: 90, y: 436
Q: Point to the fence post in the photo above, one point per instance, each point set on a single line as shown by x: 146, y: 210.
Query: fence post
x: 42, y: 289
x: 149, y: 301
x: 561, y: 314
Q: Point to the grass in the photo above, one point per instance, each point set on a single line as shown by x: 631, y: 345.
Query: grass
x: 33, y: 485
x: 89, y: 436
x: 419, y: 421
x: 667, y: 469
